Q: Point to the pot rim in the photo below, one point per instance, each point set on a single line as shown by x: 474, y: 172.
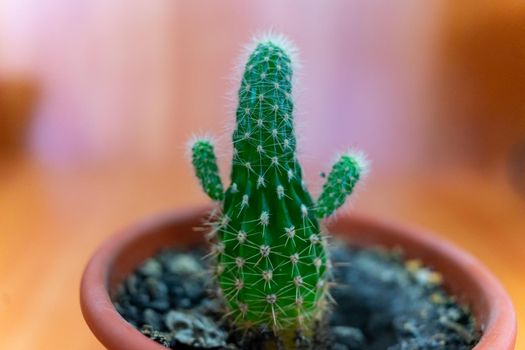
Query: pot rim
x: 494, y: 306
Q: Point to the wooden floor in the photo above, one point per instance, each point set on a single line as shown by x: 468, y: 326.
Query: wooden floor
x: 52, y: 220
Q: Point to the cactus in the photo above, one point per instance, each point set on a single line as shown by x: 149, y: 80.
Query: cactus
x: 272, y: 263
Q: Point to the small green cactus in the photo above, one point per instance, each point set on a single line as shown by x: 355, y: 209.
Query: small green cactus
x: 272, y: 263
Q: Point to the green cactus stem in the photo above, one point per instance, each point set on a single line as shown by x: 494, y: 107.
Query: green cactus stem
x: 272, y: 262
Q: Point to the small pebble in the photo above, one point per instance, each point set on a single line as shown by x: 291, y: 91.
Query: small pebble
x: 410, y: 328
x: 140, y: 299
x: 160, y: 305
x: 352, y: 338
x: 453, y: 314
x: 413, y: 265
x: 184, y: 265
x: 132, y: 283
x: 184, y: 303
x: 153, y: 319
x: 151, y: 268
x: 156, y: 288
x: 194, y: 329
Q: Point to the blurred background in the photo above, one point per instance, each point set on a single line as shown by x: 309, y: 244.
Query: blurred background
x: 98, y: 99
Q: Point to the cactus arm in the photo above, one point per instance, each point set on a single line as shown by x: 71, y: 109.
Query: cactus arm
x: 205, y: 165
x: 346, y: 172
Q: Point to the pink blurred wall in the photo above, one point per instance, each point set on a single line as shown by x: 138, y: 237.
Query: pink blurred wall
x: 133, y: 79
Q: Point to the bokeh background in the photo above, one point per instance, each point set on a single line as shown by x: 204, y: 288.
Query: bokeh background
x: 98, y: 99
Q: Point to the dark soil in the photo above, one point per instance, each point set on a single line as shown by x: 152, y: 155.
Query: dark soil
x: 382, y: 302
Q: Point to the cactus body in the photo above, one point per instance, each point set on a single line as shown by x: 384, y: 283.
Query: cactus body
x: 271, y: 257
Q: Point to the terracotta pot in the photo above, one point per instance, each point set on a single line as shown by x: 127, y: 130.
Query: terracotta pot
x: 464, y: 276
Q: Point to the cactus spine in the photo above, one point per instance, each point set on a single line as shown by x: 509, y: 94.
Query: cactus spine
x: 271, y: 256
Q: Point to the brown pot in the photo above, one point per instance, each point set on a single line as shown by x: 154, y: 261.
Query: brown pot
x: 464, y: 276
